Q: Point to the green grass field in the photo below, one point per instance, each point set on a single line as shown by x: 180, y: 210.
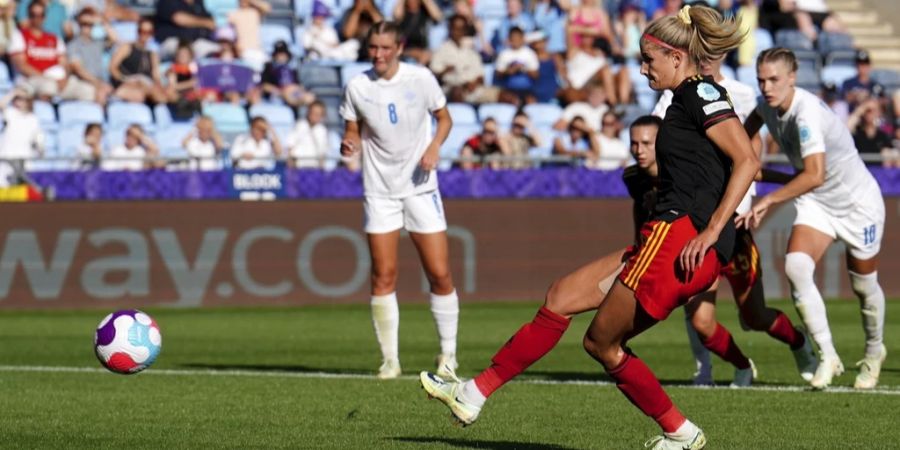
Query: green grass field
x: 255, y: 378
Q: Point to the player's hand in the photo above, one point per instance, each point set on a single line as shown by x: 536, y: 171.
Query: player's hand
x: 695, y: 250
x: 430, y: 159
x: 753, y: 218
x: 348, y: 148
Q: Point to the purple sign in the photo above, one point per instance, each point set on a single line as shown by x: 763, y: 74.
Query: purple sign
x: 225, y: 77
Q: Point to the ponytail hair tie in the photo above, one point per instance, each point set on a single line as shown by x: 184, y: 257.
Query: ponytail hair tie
x: 685, y: 14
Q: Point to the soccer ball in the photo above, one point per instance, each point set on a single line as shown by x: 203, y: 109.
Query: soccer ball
x: 127, y: 341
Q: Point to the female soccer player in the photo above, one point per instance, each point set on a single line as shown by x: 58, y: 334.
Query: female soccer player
x: 387, y: 112
x: 836, y: 198
x: 743, y: 273
x: 705, y: 168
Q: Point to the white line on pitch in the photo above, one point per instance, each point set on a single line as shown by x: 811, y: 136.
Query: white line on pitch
x: 884, y: 390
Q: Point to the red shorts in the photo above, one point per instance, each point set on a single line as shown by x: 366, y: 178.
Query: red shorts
x: 654, y: 273
x: 744, y: 269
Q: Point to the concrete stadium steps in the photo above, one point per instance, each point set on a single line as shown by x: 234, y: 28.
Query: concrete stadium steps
x: 870, y: 22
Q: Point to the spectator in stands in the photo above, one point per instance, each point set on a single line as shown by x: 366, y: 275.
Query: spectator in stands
x: 591, y: 111
x: 55, y: 20
x: 258, y: 149
x: 516, y: 17
x: 614, y: 153
x: 227, y: 78
x: 748, y: 11
x: 204, y: 145
x: 892, y: 158
x: 474, y: 25
x: 670, y: 8
x: 86, y: 52
x: 307, y: 144
x: 182, y: 87
x: 138, y: 152
x: 109, y: 10
x: 40, y: 59
x: 246, y: 20
x: 861, y: 87
x: 833, y: 99
x: 8, y: 27
x: 519, y: 141
x: 586, y: 63
x: 134, y: 69
x: 320, y: 39
x: 551, y: 16
x: 482, y: 149
x: 415, y: 18
x: 865, y: 123
x: 516, y: 69
x: 184, y: 20
x: 22, y: 139
x: 459, y: 68
x: 90, y: 151
x: 357, y: 21
x: 588, y: 22
x: 551, y: 68
x: 579, y: 143
x: 813, y: 15
x: 630, y: 27
x: 279, y: 79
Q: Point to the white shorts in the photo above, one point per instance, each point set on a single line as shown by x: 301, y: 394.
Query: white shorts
x: 860, y: 230
x: 420, y: 213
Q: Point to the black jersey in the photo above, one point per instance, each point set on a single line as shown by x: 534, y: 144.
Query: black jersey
x: 642, y: 189
x: 693, y: 172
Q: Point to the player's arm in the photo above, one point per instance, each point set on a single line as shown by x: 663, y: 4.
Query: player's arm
x: 774, y: 176
x: 433, y: 153
x: 811, y: 177
x: 350, y: 145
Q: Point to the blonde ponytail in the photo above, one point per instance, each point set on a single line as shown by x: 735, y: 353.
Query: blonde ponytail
x: 699, y: 31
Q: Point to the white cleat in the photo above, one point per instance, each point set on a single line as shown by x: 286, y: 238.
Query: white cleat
x: 449, y: 394
x: 389, y: 370
x: 446, y: 367
x: 696, y: 442
x: 806, y: 359
x: 869, y: 369
x: 829, y: 367
x: 744, y: 377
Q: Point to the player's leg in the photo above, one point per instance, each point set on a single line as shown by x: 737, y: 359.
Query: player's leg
x: 383, y: 222
x: 716, y: 338
x: 806, y: 247
x: 423, y: 216
x: 703, y: 376
x: 579, y: 291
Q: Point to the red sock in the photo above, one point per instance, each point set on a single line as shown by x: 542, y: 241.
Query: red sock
x: 722, y: 344
x: 534, y: 340
x: 783, y: 330
x: 638, y: 383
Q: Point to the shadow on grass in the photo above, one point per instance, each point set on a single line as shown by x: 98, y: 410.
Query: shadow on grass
x: 476, y: 443
x: 600, y: 377
x: 276, y: 368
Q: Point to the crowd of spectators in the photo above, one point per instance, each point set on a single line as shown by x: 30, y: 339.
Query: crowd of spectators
x: 578, y: 56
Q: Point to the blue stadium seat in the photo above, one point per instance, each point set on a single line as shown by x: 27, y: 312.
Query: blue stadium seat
x: 490, y: 8
x: 352, y: 69
x: 837, y: 74
x: 454, y: 143
x: 462, y: 114
x: 489, y: 74
x: 841, y: 58
x: 125, y: 31
x: 219, y: 9
x: 162, y: 115
x: 70, y: 138
x: 5, y: 78
x: 270, y: 33
x: 501, y: 112
x: 46, y: 115
x: 763, y: 40
x: 544, y: 150
x: 303, y: 9
x: 229, y: 118
x: 828, y: 42
x: 79, y: 113
x: 646, y: 96
x: 809, y: 79
x: 888, y: 78
x: 793, y: 39
x: 332, y: 110
x: 747, y: 75
x: 122, y: 114
x: 279, y: 116
x: 543, y: 113
x: 808, y: 59
x: 437, y: 34
x: 321, y: 79
x: 169, y: 140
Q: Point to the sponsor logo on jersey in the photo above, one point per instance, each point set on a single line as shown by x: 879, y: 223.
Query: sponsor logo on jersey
x: 717, y: 106
x: 708, y: 92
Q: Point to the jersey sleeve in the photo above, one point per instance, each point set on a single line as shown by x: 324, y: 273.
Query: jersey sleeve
x: 348, y: 109
x: 707, y: 104
x: 812, y: 137
x: 434, y: 94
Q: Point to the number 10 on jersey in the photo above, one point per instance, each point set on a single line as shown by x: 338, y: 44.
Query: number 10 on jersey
x: 392, y: 113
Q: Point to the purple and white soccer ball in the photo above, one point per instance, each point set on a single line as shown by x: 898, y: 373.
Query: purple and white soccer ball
x: 127, y: 341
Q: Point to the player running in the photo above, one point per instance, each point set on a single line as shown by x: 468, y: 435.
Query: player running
x: 744, y: 274
x: 836, y: 199
x: 704, y: 170
x: 388, y: 113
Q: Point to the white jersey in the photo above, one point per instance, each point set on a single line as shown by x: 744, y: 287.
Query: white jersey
x: 394, y: 117
x: 743, y: 99
x: 809, y: 127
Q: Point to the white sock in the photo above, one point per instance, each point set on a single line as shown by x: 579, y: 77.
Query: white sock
x: 445, y: 309
x: 800, y: 268
x: 472, y: 395
x: 871, y: 304
x: 686, y: 431
x: 701, y: 353
x: 386, y: 318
